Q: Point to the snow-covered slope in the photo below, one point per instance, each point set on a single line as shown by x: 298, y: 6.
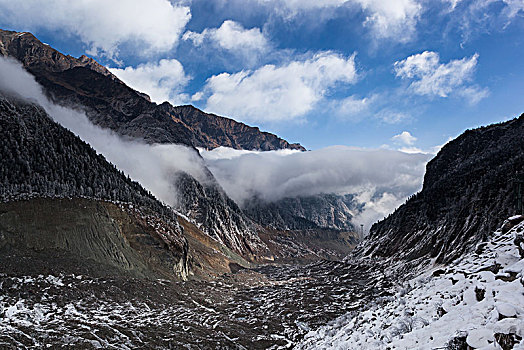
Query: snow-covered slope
x: 477, y: 300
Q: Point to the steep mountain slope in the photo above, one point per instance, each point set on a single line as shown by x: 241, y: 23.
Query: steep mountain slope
x: 112, y: 104
x: 468, y: 191
x: 327, y: 211
x: 218, y: 216
x: 62, y: 202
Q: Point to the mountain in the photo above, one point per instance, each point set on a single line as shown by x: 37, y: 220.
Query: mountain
x: 112, y: 104
x: 326, y: 211
x: 468, y: 191
x: 108, y: 102
x: 66, y: 208
x: 218, y: 216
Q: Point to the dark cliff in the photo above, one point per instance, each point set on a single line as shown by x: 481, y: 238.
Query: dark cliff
x: 468, y: 192
x: 218, y: 216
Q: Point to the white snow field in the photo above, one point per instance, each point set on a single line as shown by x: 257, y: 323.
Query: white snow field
x: 478, y: 299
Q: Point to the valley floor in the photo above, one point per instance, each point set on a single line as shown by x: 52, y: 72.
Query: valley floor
x: 268, y: 307
x: 477, y: 301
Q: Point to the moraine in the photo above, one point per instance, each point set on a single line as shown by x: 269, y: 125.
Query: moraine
x: 266, y: 307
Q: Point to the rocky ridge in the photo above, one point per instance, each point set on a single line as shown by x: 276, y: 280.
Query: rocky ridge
x: 112, y: 104
x: 468, y: 191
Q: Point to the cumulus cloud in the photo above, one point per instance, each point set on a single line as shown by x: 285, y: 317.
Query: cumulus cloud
x: 380, y: 178
x: 430, y: 77
x: 153, y: 166
x: 163, y: 81
x: 404, y: 138
x: 156, y: 25
x: 393, y: 19
x: 233, y: 37
x: 277, y: 93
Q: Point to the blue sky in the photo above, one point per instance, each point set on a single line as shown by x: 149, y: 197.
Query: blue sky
x: 402, y: 74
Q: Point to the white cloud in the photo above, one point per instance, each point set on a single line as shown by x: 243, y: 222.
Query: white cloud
x: 353, y: 107
x: 232, y: 36
x: 430, y: 77
x: 473, y: 94
x: 376, y: 106
x: 338, y: 169
x: 514, y: 8
x: 277, y: 93
x: 290, y: 8
x: 377, y: 175
x: 154, y: 25
x: 376, y: 206
x: 162, y: 82
x: 452, y: 3
x: 404, y: 138
x: 392, y: 19
x: 411, y: 150
x: 391, y: 116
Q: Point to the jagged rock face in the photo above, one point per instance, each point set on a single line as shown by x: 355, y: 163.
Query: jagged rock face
x: 219, y: 131
x: 112, y: 104
x: 468, y: 191
x: 218, y: 216
x: 327, y: 211
x: 37, y: 56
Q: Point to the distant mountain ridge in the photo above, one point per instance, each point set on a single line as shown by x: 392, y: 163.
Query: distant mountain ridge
x: 468, y: 191
x: 82, y: 81
x: 326, y: 211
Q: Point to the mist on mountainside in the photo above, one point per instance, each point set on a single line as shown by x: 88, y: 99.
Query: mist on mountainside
x: 154, y: 166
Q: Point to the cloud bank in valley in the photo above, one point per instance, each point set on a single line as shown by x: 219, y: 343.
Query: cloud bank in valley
x: 153, y: 166
x: 381, y: 179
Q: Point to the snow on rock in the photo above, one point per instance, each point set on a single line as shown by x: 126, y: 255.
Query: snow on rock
x: 477, y: 300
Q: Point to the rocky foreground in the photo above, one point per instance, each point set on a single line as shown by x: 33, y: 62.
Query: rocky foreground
x: 476, y: 302
x: 267, y: 307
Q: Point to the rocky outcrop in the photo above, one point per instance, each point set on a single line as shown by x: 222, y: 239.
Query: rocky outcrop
x: 37, y: 56
x: 468, y: 191
x: 212, y: 131
x: 218, y: 216
x: 112, y: 104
